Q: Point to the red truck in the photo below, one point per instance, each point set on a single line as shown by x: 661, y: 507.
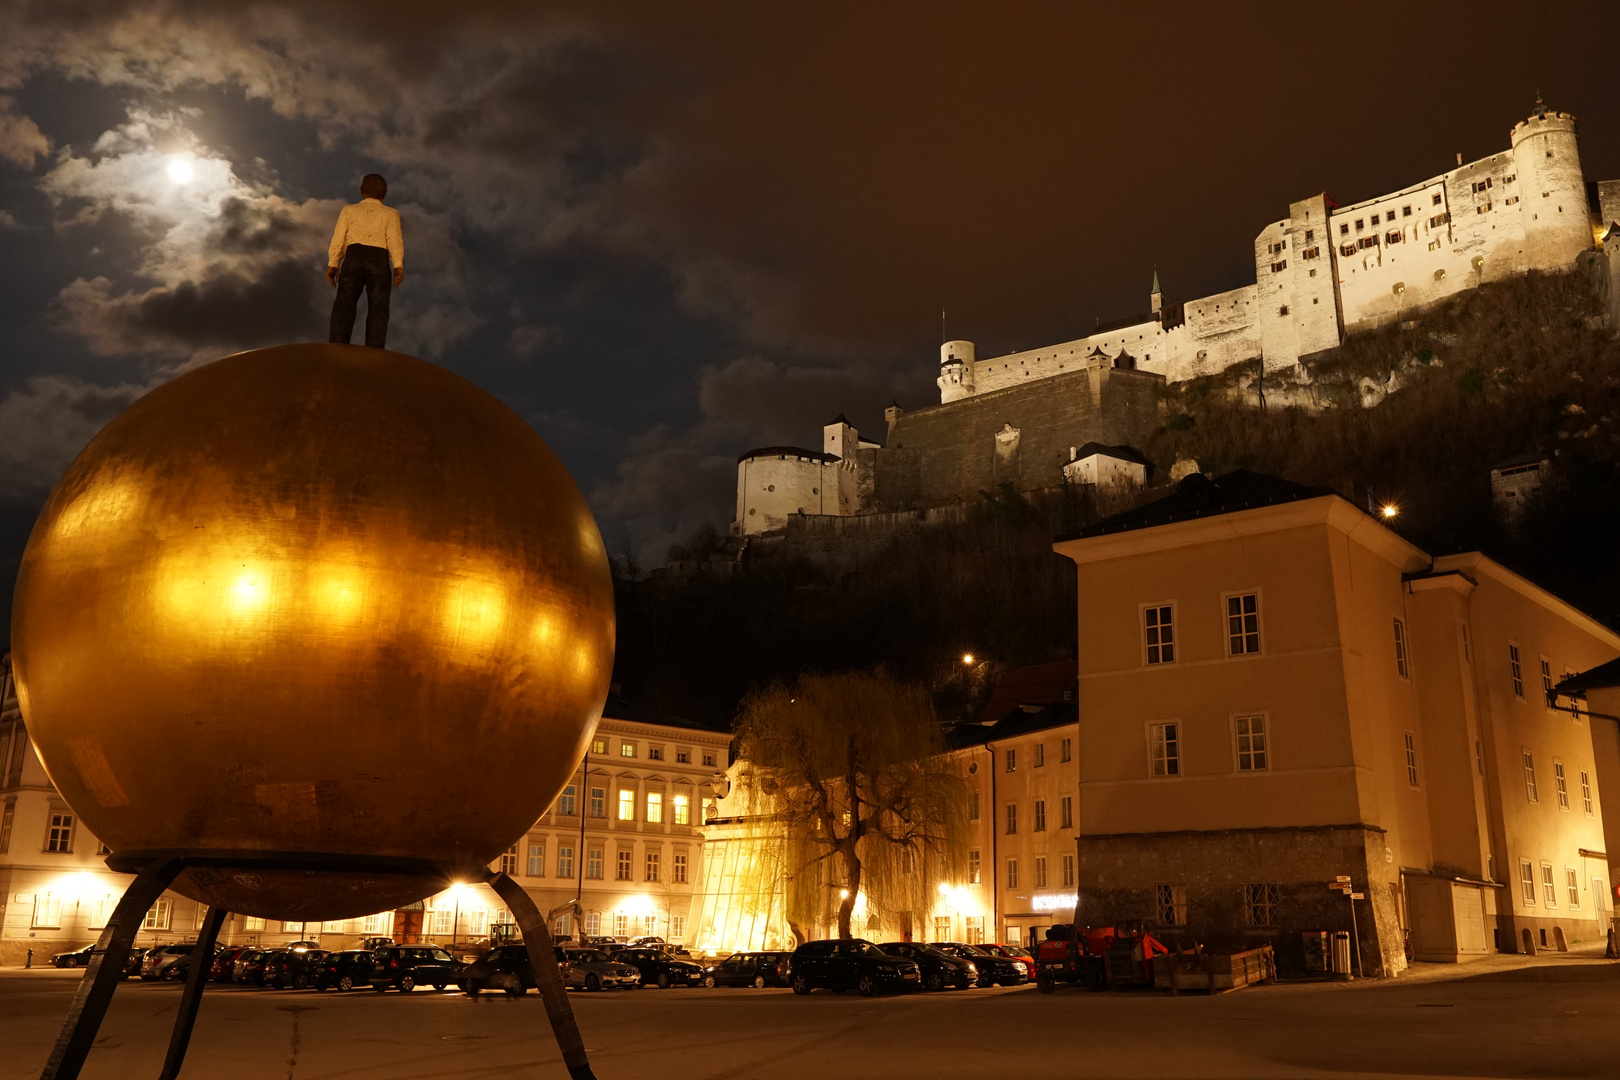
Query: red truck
x: 1097, y: 956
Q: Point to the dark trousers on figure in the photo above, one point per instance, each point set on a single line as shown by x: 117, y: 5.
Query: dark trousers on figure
x: 364, y: 268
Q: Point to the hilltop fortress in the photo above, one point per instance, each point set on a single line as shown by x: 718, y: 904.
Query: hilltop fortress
x: 1069, y: 411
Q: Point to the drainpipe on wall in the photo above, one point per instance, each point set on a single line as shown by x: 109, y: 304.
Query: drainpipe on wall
x: 995, y: 858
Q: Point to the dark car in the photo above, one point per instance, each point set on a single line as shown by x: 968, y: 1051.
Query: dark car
x: 993, y: 968
x: 224, y: 965
x: 756, y: 969
x: 296, y: 968
x: 158, y: 962
x: 132, y: 966
x: 660, y: 969
x: 249, y: 967
x: 505, y: 967
x: 841, y: 964
x: 344, y: 970
x: 405, y: 967
x: 76, y: 958
x: 939, y: 968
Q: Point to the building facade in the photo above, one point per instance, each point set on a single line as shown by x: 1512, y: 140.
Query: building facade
x: 1276, y: 690
x: 641, y: 795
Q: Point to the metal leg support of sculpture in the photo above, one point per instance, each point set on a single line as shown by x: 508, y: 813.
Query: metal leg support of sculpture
x: 202, y: 960
x: 547, y: 978
x: 106, y: 970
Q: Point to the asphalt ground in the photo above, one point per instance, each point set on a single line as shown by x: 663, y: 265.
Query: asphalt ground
x: 1504, y: 1017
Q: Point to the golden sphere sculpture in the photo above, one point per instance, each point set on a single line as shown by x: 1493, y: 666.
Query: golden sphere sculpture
x: 314, y: 598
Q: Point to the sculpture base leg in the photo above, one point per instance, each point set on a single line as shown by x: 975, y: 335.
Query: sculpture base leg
x: 202, y: 962
x: 547, y: 978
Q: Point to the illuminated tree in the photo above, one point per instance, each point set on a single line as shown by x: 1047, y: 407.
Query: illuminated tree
x: 851, y: 773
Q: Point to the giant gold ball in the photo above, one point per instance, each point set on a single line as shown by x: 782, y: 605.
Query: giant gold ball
x: 313, y: 598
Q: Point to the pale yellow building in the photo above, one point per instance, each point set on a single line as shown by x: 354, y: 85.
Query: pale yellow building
x: 1277, y: 690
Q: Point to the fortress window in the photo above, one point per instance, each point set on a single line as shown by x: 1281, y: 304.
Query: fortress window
x: 1393, y: 237
x: 1278, y: 267
x: 1434, y: 245
x: 1483, y: 207
x: 1367, y: 242
x: 1508, y: 179
x: 1344, y: 229
x: 1361, y: 226
x: 1439, y: 220
x: 1406, y: 211
x: 1375, y: 219
x: 1510, y: 200
x: 1310, y: 234
x: 1283, y: 310
x: 1437, y: 198
x: 1347, y: 249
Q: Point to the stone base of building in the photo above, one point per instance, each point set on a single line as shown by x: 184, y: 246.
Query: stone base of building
x: 1241, y: 888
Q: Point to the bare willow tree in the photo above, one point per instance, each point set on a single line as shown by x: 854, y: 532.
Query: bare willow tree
x: 852, y: 769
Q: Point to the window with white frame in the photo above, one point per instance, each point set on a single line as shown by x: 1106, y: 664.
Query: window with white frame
x: 1400, y: 649
x: 1159, y: 633
x: 593, y: 862
x: 1586, y: 792
x: 101, y: 909
x: 1529, y: 761
x: 708, y: 759
x: 1572, y: 883
x: 1560, y: 784
x: 627, y: 749
x: 974, y: 864
x: 973, y: 929
x: 252, y: 922
x: 297, y: 927
x: 477, y: 922
x: 678, y: 868
x: 973, y: 805
x: 444, y: 920
x: 1171, y: 904
x: 1040, y: 816
x: 942, y: 928
x: 1012, y: 760
x: 1012, y: 873
x: 1260, y: 902
x: 1243, y: 624
x: 8, y: 815
x: 1527, y: 882
x: 158, y: 915
x: 655, y: 753
x: 1516, y: 670
x: 1038, y: 755
x: 48, y: 912
x: 59, y: 835
x: 537, y: 860
x: 1012, y: 818
x: 1066, y: 750
x: 677, y: 929
x: 598, y: 747
x: 565, y: 802
x: 1251, y: 743
x: 652, y: 867
x: 509, y: 860
x: 621, y: 870
x: 1410, y: 742
x: 621, y: 924
x: 598, y: 803
x: 1068, y: 871
x: 655, y: 807
x: 1164, y: 749
x: 1040, y: 871
x: 380, y: 923
x: 1546, y: 682
x: 683, y: 809
x: 593, y: 923
x: 565, y: 860
x: 1549, y: 891
x: 627, y: 805
x: 1467, y: 644
x: 683, y: 755
x: 1066, y: 812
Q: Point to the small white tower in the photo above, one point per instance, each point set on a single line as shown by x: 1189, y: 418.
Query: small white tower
x: 1551, y: 189
x: 956, y: 359
x: 1156, y: 298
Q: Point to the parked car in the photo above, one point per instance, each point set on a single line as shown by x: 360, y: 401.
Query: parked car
x: 660, y: 969
x: 344, y: 970
x: 405, y: 967
x: 132, y: 966
x: 158, y: 961
x: 224, y: 964
x: 296, y: 968
x: 756, y: 969
x: 853, y: 962
x: 249, y: 968
x: 76, y: 958
x: 593, y: 969
x: 505, y: 967
x: 939, y: 968
x: 1013, y: 952
x: 650, y: 939
x: 993, y: 967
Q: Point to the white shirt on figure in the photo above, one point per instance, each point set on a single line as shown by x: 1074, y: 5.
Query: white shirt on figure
x: 371, y: 223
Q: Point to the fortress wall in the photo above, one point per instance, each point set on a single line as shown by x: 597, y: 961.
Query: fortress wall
x: 769, y: 489
x: 949, y: 453
x: 846, y: 543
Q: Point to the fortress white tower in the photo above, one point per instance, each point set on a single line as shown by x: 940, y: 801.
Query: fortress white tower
x: 955, y: 380
x: 1551, y: 188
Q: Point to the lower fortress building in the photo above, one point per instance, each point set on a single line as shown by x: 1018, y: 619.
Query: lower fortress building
x: 1322, y: 273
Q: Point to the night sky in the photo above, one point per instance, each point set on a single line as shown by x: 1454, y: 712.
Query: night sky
x: 666, y: 233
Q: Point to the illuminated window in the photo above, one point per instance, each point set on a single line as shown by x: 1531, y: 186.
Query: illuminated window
x: 598, y: 806
x: 973, y: 929
x: 942, y: 928
x: 598, y: 746
x: 683, y: 809
x: 655, y: 807
x: 565, y: 860
x: 1573, y: 883
x: 101, y: 909
x: 678, y: 870
x: 509, y: 860
x: 1260, y: 902
x: 621, y: 925
x: 653, y: 858
x: 677, y: 929
x: 380, y: 923
x: 1549, y: 891
x: 593, y: 863
x: 477, y: 922
x: 59, y: 838
x: 627, y: 749
x: 1171, y: 904
x: 974, y: 867
x: 48, y: 912
x: 1243, y: 620
x: 158, y: 915
x: 565, y: 801
x: 1251, y: 743
x: 1165, y: 748
x: 1158, y: 624
x: 1527, y: 881
x: 622, y: 870
x: 252, y: 922
x: 627, y: 805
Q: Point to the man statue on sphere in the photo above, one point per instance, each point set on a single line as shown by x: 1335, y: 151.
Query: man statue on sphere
x: 367, y: 252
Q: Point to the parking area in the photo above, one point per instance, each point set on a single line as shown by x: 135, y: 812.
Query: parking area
x: 1517, y: 1017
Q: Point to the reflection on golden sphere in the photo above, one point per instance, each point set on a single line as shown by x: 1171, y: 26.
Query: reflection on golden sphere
x: 314, y: 598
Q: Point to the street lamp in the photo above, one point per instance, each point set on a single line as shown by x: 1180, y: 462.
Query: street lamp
x: 1389, y: 511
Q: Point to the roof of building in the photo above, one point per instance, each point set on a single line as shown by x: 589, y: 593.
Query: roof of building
x: 1123, y: 453
x: 1598, y: 678
x: 617, y: 708
x: 787, y: 451
x: 1197, y: 496
x: 1020, y: 721
x: 1529, y: 457
x: 1155, y: 279
x: 1033, y: 684
x: 839, y: 419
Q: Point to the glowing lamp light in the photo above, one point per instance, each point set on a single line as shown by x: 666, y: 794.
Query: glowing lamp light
x: 967, y: 658
x: 843, y: 894
x: 1389, y: 511
x: 180, y: 170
